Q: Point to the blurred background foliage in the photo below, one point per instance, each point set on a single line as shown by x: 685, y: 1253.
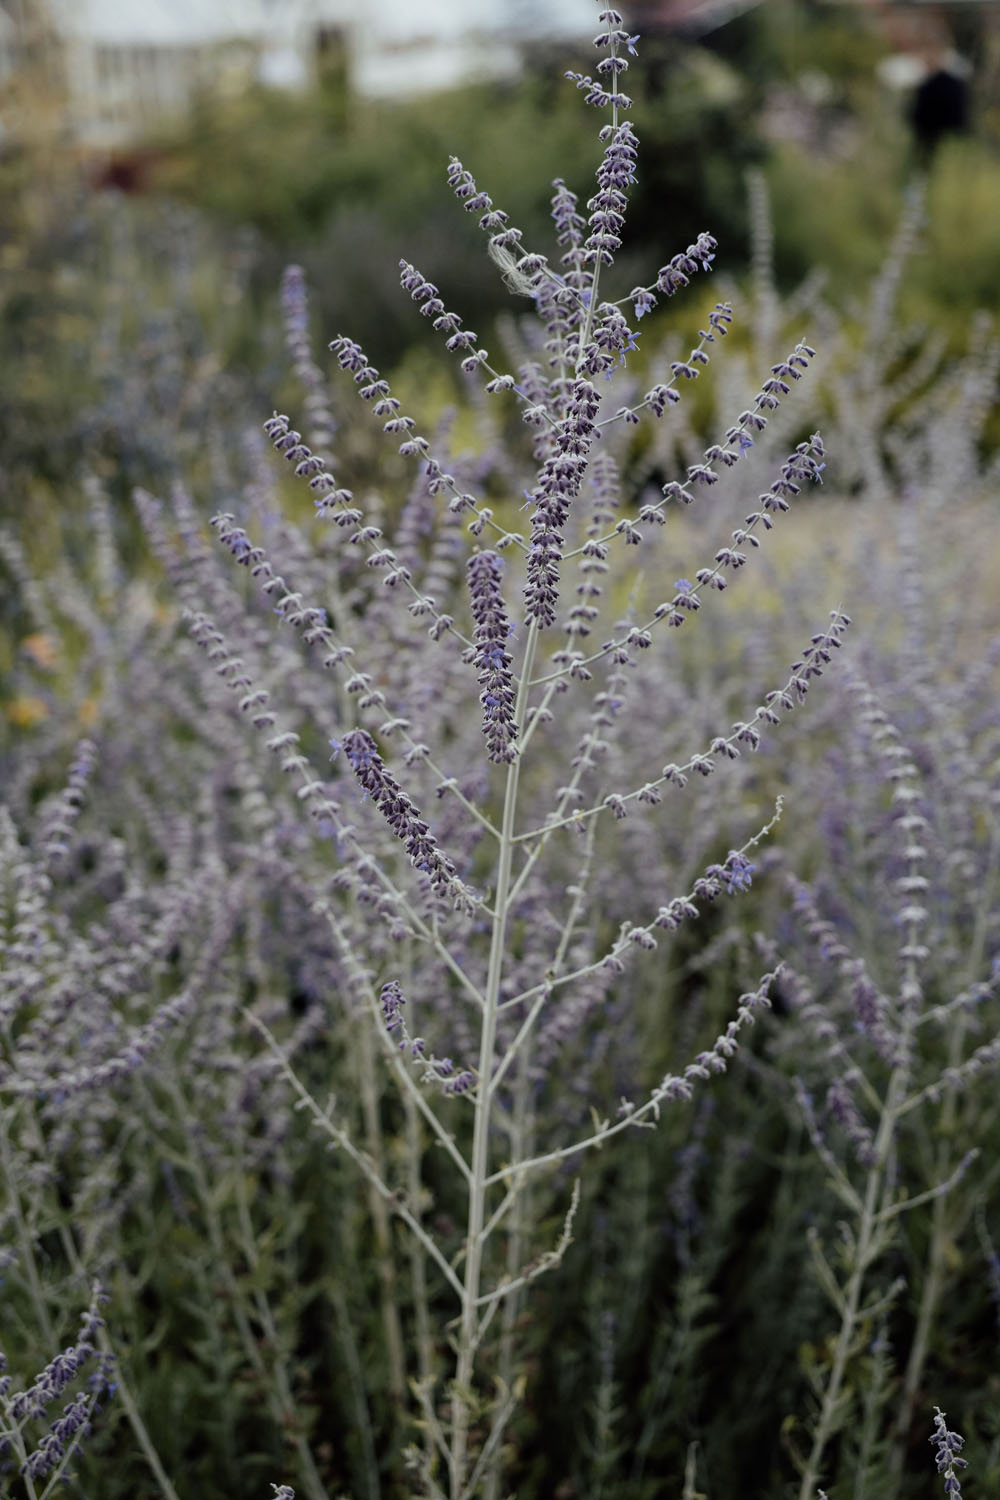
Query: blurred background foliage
x: 138, y: 291
x: 790, y: 87
x: 347, y: 186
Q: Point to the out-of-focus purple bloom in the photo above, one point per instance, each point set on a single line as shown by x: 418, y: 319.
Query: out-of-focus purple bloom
x: 392, y: 1001
x: 295, y: 309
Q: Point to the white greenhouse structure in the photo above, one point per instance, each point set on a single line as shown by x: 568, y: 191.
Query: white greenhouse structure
x: 127, y: 64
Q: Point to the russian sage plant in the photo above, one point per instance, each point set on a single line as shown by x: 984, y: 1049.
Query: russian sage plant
x: 521, y: 910
x: 893, y: 979
x: 486, y: 745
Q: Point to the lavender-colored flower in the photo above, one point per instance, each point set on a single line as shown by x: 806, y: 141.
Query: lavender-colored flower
x: 59, y: 825
x: 947, y: 1448
x: 287, y: 441
x: 840, y: 1102
x: 425, y: 294
x: 49, y: 1384
x: 607, y: 208
x: 295, y: 309
x: 398, y: 811
x: 613, y: 340
x: 371, y: 387
x: 493, y: 221
x: 597, y: 95
x: 677, y: 272
x: 737, y: 872
x: 392, y: 1001
x: 643, y: 301
x: 558, y: 485
x: 613, y: 37
x: 493, y: 660
x: 569, y: 222
x: 436, y: 1070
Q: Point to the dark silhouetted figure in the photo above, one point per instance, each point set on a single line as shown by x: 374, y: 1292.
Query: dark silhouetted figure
x: 940, y: 107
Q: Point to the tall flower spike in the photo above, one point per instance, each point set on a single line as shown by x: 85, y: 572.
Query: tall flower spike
x: 494, y: 221
x: 457, y: 339
x: 59, y: 826
x: 493, y: 661
x: 397, y: 809
x: 295, y: 312
x: 558, y: 485
x: 947, y: 1448
x: 569, y: 223
x: 612, y: 67
x: 607, y: 207
x: 329, y: 500
x: 371, y: 387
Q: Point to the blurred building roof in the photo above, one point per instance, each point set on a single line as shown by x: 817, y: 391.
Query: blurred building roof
x: 127, y: 63
x: 402, y: 47
x: 162, y: 23
x: 192, y: 22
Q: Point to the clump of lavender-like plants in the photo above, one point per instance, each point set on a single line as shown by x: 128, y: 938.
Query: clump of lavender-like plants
x: 892, y: 979
x: 41, y: 1457
x: 432, y: 968
x: 466, y: 895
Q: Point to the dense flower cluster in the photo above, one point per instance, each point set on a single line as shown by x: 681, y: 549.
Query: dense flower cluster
x: 607, y: 207
x: 557, y: 487
x: 947, y: 1452
x: 397, y: 809
x: 493, y: 660
x: 295, y: 307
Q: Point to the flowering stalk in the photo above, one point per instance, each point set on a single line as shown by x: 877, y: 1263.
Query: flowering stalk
x: 891, y: 1026
x: 528, y: 960
x: 947, y: 1453
x: 493, y: 661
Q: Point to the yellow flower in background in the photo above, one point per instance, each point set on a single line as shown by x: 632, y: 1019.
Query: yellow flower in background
x: 26, y: 712
x: 42, y: 649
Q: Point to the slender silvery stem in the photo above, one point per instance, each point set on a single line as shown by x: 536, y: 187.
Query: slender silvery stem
x: 868, y: 1242
x: 935, y: 1278
x: 484, y: 1096
x: 24, y: 1238
x: 324, y: 1120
